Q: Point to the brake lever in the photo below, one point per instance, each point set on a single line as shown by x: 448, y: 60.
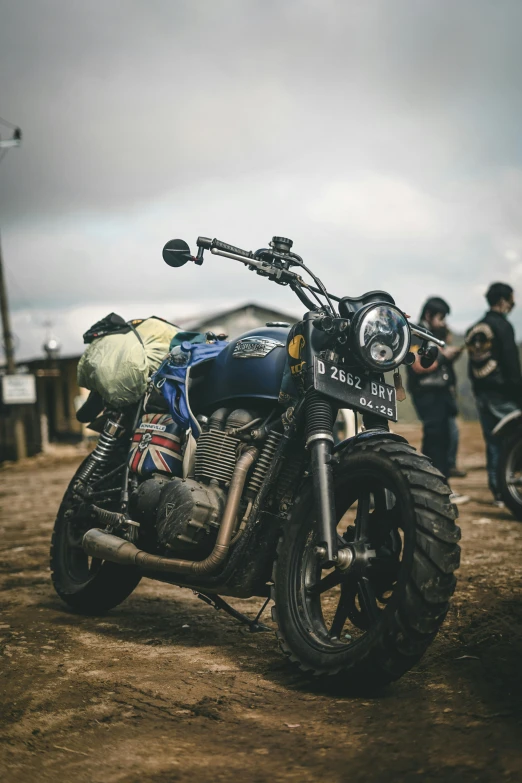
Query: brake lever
x: 425, y: 334
x: 279, y: 274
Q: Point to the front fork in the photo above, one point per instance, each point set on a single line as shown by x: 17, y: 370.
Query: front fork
x: 320, y: 442
x: 320, y: 416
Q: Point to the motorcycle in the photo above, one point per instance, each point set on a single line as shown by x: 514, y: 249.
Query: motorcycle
x: 355, y: 543
x: 508, y: 434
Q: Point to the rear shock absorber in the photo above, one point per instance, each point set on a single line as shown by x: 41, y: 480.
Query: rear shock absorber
x: 319, y: 439
x: 101, y: 455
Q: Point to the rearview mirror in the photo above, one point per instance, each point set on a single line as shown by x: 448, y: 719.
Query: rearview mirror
x: 176, y: 252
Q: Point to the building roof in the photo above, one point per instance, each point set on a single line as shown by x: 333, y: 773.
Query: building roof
x: 39, y: 360
x: 250, y: 311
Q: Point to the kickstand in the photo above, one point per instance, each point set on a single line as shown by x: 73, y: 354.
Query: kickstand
x: 254, y: 626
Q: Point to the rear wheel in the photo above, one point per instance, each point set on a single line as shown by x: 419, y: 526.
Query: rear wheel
x: 509, y: 475
x: 372, y: 622
x: 87, y: 584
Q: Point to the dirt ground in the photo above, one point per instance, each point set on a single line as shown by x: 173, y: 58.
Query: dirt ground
x: 164, y: 688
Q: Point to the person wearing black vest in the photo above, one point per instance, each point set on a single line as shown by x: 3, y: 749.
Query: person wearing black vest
x: 494, y: 370
x: 433, y: 392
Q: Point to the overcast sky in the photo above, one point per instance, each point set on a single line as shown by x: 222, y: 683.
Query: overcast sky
x: 384, y: 137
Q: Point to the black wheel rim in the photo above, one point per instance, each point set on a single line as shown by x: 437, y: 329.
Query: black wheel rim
x: 80, y: 567
x: 514, y: 472
x: 337, y: 609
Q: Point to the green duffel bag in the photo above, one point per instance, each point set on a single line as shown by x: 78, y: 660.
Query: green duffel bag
x: 122, y: 355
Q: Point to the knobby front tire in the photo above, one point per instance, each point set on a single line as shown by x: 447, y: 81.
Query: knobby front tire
x: 369, y: 625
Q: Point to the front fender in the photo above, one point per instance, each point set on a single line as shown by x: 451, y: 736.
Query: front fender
x: 508, y: 424
x: 362, y: 437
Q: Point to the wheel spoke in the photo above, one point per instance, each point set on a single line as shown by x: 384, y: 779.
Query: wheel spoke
x: 380, y: 500
x: 326, y: 583
x: 361, y: 518
x: 385, y: 567
x: 348, y: 590
x: 368, y: 600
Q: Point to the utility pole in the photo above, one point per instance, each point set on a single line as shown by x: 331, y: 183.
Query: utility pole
x: 6, y: 320
x: 19, y: 429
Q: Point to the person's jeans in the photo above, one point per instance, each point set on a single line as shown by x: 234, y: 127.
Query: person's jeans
x: 435, y: 409
x: 453, y: 442
x: 491, y: 409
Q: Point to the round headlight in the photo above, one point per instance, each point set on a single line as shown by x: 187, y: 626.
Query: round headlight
x: 380, y: 336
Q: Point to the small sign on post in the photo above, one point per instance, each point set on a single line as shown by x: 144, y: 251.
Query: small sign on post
x: 18, y: 389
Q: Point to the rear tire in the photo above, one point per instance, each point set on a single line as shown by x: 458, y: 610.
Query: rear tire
x: 509, y: 472
x: 397, y: 602
x: 87, y: 585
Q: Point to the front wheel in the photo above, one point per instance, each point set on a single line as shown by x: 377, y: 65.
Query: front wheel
x: 371, y: 623
x: 509, y: 475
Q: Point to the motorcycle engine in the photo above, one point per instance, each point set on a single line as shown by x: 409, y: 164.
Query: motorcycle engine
x: 187, y: 512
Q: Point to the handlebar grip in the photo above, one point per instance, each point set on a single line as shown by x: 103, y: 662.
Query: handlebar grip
x: 210, y: 244
x: 219, y: 245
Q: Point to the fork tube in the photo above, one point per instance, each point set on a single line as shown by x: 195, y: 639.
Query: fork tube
x: 319, y: 439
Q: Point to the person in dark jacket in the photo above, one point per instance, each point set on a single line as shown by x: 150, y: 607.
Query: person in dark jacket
x: 454, y: 470
x: 494, y: 370
x: 433, y: 391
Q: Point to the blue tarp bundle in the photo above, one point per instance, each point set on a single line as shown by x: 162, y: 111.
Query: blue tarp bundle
x: 171, y: 378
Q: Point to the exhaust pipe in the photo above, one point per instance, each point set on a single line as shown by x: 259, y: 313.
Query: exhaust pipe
x: 97, y: 543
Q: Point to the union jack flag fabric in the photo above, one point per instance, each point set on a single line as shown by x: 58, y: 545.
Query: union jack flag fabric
x: 156, y: 446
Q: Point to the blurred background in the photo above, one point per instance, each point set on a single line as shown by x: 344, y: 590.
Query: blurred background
x: 383, y: 138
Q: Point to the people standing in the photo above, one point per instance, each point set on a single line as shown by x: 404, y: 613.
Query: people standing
x: 454, y: 470
x: 433, y: 392
x: 494, y: 370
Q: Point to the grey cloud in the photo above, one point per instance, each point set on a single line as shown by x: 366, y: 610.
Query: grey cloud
x: 123, y: 102
x: 383, y: 137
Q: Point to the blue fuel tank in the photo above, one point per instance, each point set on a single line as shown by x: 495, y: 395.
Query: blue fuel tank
x: 251, y: 366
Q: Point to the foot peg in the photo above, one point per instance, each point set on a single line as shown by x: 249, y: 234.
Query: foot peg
x: 115, y: 521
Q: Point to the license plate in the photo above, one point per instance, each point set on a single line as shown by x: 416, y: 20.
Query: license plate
x: 354, y: 390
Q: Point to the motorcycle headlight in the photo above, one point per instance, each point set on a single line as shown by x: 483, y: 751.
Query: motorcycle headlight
x: 380, y: 336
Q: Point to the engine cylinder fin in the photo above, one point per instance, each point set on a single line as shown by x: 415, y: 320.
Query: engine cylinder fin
x: 216, y: 456
x: 263, y: 463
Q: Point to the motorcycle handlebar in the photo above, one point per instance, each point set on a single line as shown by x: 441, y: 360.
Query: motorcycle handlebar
x: 425, y: 334
x: 217, y: 244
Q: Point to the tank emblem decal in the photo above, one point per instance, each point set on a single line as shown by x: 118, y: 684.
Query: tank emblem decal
x: 254, y: 347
